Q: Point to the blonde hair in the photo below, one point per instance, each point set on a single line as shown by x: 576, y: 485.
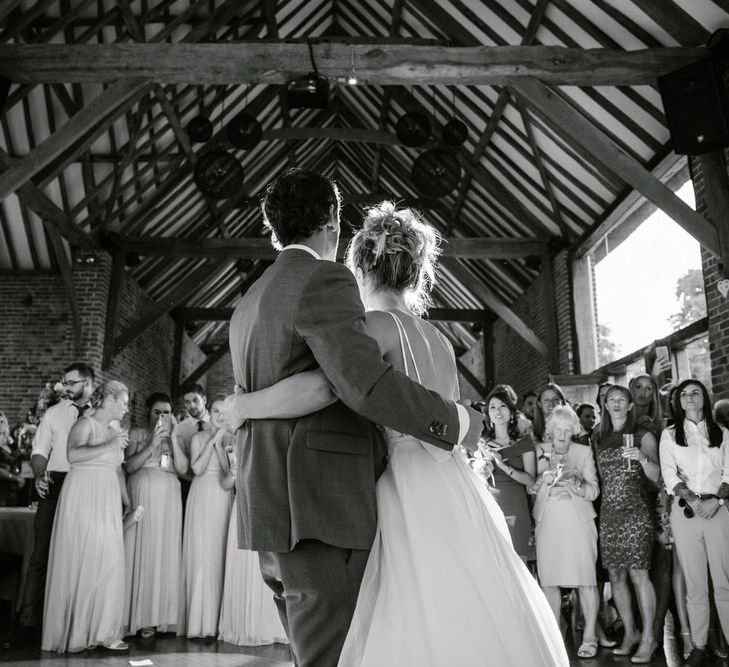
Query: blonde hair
x: 397, y: 250
x: 103, y: 391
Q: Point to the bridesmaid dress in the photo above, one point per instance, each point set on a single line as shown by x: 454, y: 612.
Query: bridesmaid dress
x: 153, y: 545
x: 84, y: 600
x: 248, y: 616
x: 203, y: 552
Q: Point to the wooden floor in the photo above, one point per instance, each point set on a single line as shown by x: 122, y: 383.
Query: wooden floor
x: 169, y: 651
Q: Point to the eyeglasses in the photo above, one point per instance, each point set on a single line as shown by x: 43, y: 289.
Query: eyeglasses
x: 688, y: 511
x: 70, y: 383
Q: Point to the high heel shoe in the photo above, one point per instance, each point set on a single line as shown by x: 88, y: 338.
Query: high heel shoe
x: 687, y: 644
x: 627, y: 649
x: 646, y: 656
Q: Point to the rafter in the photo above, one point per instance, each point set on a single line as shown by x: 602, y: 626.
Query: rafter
x: 85, y: 122
x: 570, y: 123
x: 277, y: 63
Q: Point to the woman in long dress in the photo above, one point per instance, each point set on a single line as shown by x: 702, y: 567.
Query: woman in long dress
x: 443, y: 584
x: 153, y: 545
x: 84, y: 603
x: 248, y: 615
x: 206, y: 530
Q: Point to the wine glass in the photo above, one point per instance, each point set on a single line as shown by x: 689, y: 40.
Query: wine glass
x: 627, y: 444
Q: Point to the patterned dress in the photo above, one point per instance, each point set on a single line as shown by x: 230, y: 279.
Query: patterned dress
x: 627, y: 525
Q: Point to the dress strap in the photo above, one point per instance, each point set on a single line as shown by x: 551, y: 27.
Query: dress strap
x: 405, y: 341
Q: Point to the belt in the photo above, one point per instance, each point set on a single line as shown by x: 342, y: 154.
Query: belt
x: 706, y: 496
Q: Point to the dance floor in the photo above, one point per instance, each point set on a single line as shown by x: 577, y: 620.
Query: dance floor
x: 170, y: 651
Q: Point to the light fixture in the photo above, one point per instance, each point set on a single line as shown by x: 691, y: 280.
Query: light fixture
x: 352, y: 78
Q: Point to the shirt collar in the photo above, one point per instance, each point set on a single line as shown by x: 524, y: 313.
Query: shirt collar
x: 305, y: 248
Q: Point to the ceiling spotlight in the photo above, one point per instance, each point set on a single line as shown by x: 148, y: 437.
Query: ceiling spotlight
x: 352, y: 78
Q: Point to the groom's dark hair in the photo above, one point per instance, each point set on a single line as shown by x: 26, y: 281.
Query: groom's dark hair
x: 297, y: 204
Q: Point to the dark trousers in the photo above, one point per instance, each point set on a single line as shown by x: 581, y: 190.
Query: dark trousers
x: 315, y: 588
x: 662, y: 578
x: 31, y: 607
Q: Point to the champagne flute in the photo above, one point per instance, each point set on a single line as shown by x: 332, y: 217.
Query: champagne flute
x: 627, y: 444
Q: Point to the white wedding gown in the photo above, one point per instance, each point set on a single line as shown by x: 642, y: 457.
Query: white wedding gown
x: 443, y: 585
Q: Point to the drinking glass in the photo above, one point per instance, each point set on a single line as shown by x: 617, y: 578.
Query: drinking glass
x: 627, y: 444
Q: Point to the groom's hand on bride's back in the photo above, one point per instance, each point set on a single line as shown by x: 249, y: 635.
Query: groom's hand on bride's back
x: 476, y: 417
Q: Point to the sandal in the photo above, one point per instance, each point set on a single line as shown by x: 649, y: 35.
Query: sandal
x: 117, y: 645
x: 687, y: 644
x: 146, y: 633
x: 587, y: 650
x: 607, y: 643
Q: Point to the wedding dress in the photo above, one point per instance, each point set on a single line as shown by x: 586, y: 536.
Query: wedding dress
x: 443, y: 585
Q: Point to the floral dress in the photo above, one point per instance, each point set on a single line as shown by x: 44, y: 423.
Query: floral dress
x: 627, y: 525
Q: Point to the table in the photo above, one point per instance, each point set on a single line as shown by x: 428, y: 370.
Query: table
x: 16, y: 536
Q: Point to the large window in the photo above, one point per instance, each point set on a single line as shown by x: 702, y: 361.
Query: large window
x: 650, y: 286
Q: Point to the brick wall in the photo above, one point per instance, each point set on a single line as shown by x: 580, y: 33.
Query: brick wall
x: 219, y: 379
x: 37, y: 336
x: 515, y: 361
x: 716, y: 306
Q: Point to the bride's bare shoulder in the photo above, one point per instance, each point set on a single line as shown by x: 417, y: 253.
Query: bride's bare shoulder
x: 382, y: 328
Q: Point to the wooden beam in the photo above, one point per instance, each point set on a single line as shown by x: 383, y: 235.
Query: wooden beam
x: 570, y: 123
x: 393, y: 65
x: 205, y: 366
x: 76, y: 127
x: 463, y: 275
x: 671, y: 170
x: 38, y: 201
x: 434, y: 314
x: 471, y: 378
x: 716, y: 193
x: 180, y: 293
x: 261, y: 248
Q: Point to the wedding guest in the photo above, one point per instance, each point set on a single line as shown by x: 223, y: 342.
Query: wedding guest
x: 626, y: 517
x: 10, y: 477
x: 548, y: 398
x: 695, y: 467
x: 647, y: 403
x: 248, y: 614
x: 565, y: 528
x: 600, y: 396
x: 84, y: 603
x: 529, y: 404
x: 50, y: 465
x: 197, y: 419
x: 514, y: 462
x: 153, y: 545
x: 206, y: 529
x: 587, y: 414
x: 721, y: 412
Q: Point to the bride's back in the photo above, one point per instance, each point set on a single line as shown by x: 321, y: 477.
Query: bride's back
x: 417, y: 348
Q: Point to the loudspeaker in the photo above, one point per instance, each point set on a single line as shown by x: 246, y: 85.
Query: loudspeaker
x: 696, y: 106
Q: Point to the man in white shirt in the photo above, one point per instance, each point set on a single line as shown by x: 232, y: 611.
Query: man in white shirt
x: 50, y: 465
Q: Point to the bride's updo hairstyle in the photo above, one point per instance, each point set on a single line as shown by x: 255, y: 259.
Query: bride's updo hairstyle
x: 397, y: 251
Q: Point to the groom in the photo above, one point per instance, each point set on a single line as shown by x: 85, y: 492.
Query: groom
x: 306, y: 487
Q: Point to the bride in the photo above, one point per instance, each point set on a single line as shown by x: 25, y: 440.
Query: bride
x: 443, y: 584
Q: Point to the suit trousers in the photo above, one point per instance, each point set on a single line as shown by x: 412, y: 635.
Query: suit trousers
x: 315, y: 588
x: 30, y: 613
x: 698, y: 542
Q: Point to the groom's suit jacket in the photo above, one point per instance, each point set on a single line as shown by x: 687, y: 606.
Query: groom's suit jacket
x: 314, y: 477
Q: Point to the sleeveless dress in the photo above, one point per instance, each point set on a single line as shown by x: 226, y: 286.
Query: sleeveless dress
x: 512, y: 497
x: 153, y: 545
x: 84, y: 600
x: 248, y: 614
x: 203, y: 552
x: 627, y: 525
x: 443, y: 584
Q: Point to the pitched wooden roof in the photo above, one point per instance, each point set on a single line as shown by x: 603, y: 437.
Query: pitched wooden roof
x: 562, y: 126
